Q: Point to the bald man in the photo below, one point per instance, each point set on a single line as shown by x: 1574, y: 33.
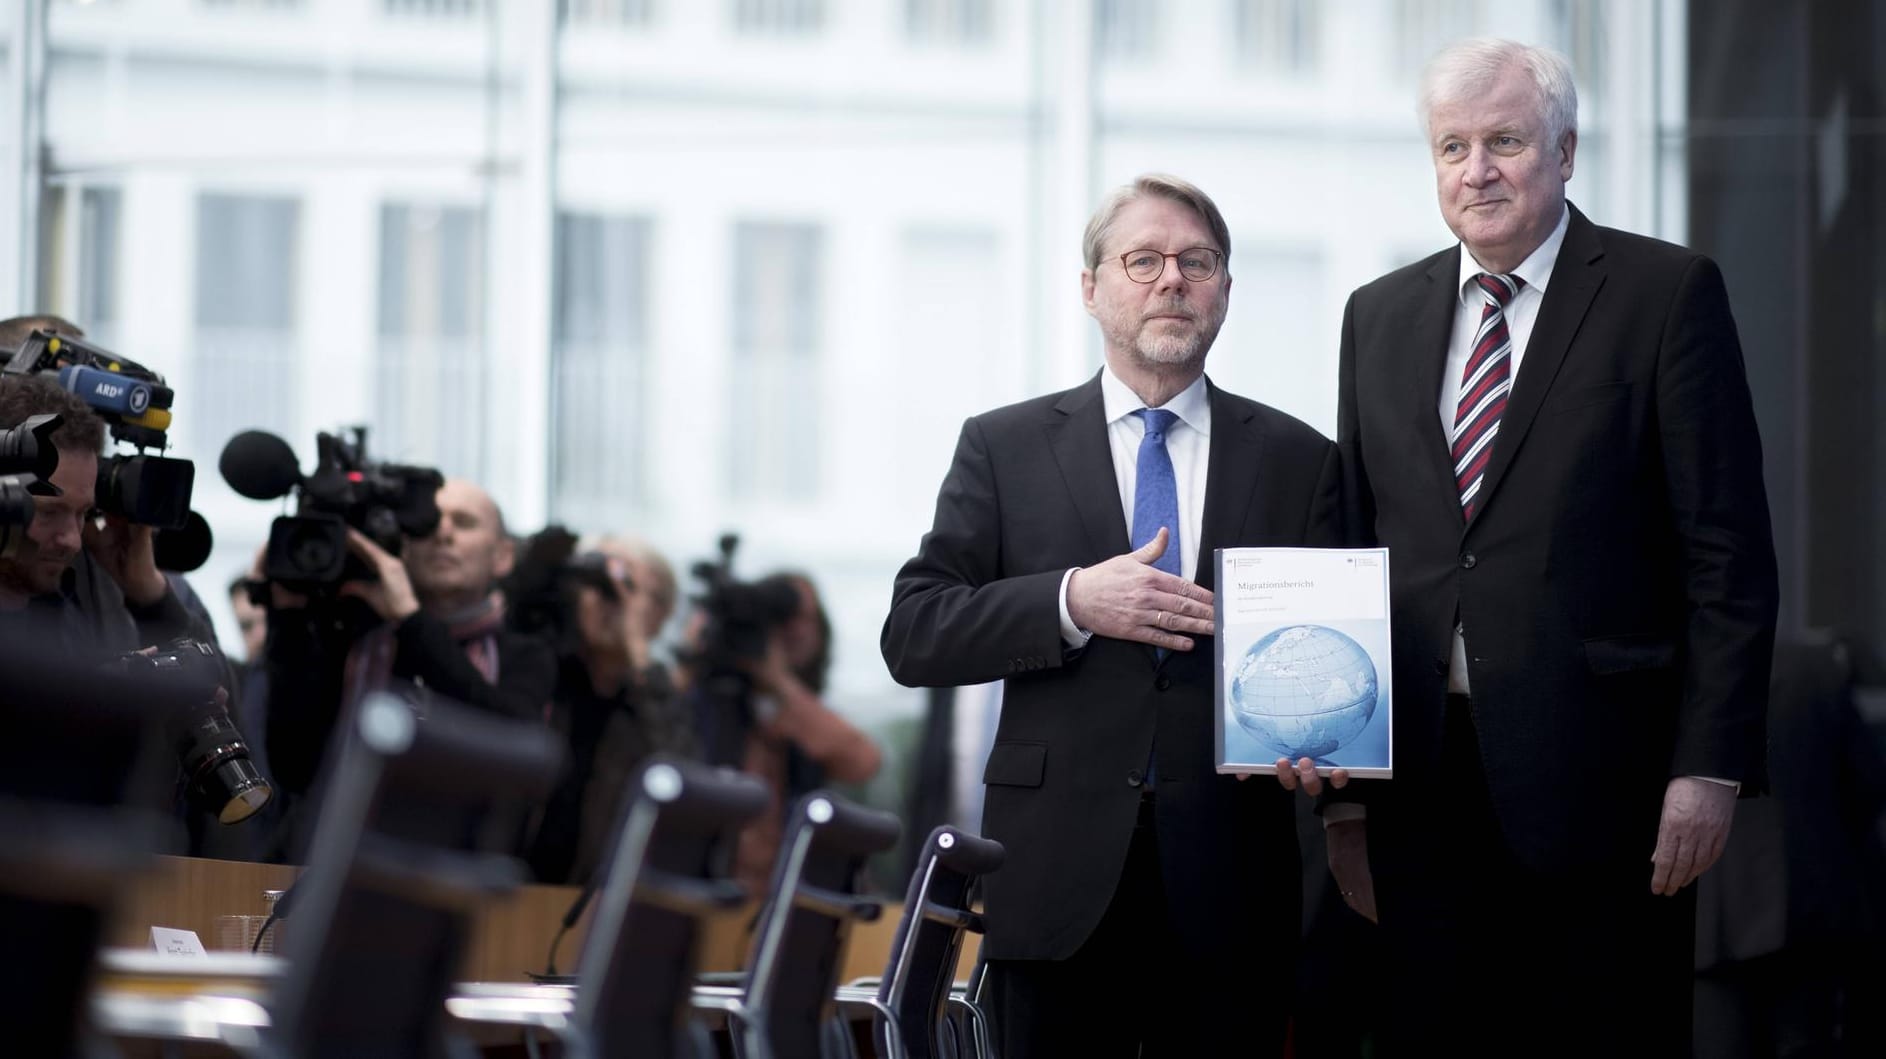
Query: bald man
x: 441, y: 629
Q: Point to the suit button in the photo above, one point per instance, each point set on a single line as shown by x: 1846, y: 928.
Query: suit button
x: 1467, y: 561
x: 1163, y: 682
x: 1135, y: 778
x: 1440, y: 667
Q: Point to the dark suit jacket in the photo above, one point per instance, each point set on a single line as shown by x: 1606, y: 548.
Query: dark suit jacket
x: 1030, y: 494
x: 1617, y: 582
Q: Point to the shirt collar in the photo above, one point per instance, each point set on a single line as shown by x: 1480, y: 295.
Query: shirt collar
x: 1536, y: 270
x: 1192, y: 404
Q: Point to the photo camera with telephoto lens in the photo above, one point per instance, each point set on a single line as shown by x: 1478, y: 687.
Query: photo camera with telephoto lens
x: 183, y: 677
x: 27, y: 462
x: 740, y: 616
x: 307, y: 551
x: 141, y: 487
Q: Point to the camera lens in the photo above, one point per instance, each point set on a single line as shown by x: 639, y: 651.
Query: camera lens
x: 217, y: 765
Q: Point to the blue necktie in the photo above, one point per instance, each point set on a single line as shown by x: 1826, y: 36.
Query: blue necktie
x: 1156, y: 492
x: 1156, y: 504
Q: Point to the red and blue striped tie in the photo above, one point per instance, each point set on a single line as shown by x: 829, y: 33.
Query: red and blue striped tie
x: 1484, y: 386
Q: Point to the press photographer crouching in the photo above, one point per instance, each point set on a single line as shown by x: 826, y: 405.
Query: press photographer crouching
x: 600, y: 607
x: 415, y: 612
x: 754, y: 674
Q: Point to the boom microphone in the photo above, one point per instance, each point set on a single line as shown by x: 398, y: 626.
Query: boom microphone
x: 259, y: 465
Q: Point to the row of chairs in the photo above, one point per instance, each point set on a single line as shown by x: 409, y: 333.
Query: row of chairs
x: 405, y: 852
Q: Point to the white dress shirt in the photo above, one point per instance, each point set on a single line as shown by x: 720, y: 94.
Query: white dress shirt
x: 1188, y: 443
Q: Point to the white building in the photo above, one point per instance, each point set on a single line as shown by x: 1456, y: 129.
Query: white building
x: 675, y: 267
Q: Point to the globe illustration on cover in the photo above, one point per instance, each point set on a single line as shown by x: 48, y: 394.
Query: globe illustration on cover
x: 1304, y: 691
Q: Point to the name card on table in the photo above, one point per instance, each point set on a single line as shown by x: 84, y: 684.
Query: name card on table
x: 173, y: 942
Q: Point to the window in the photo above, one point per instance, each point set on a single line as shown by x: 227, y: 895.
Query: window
x: 1275, y: 345
x: 631, y: 13
x: 764, y: 17
x: 947, y: 21
x: 79, y: 265
x: 599, y: 367
x: 243, y: 360
x: 1126, y: 29
x: 774, y: 427
x: 956, y: 314
x: 433, y: 8
x: 1276, y: 36
x: 252, y: 5
x: 1424, y: 27
x: 429, y: 396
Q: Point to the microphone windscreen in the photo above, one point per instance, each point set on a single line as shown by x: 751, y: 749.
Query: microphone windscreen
x: 259, y: 465
x: 186, y: 548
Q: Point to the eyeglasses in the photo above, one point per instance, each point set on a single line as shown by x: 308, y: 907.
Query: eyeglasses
x: 1197, y: 264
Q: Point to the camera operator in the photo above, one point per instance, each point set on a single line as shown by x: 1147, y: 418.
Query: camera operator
x: 614, y: 702
x: 92, y: 585
x: 436, y: 623
x: 794, y: 741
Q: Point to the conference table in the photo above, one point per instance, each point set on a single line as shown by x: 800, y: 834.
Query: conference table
x: 158, y: 1004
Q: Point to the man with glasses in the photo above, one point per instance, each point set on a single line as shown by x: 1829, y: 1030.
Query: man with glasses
x: 1146, y: 901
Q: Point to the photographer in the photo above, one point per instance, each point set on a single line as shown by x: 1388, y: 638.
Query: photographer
x: 614, y: 703
x: 785, y: 734
x: 92, y: 586
x: 432, y: 620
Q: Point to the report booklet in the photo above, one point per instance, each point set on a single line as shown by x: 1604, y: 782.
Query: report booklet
x: 1303, y: 666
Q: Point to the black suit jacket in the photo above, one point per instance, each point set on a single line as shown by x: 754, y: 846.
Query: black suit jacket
x: 1032, y: 493
x: 1617, y: 582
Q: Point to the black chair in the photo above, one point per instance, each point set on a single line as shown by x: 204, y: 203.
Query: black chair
x: 968, y: 1024
x: 667, y: 875
x: 785, y: 1004
x: 406, y: 848
x: 82, y: 772
x: 910, y: 1008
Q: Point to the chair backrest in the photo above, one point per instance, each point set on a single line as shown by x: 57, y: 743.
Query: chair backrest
x: 938, y: 912
x: 815, y: 898
x: 83, y: 771
x: 667, y: 874
x: 414, y: 834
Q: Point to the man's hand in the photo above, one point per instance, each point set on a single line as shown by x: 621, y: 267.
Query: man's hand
x: 1127, y: 599
x: 772, y: 673
x: 390, y: 594
x: 124, y: 550
x: 1695, y: 826
x: 1304, y: 775
x: 1348, y: 842
x: 632, y: 620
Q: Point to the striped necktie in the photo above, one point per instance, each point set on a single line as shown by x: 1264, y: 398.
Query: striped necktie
x: 1484, y: 385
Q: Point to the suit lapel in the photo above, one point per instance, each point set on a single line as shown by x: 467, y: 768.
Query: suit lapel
x: 1432, y: 330
x: 1077, y: 436
x: 1576, y: 277
x: 1232, y: 484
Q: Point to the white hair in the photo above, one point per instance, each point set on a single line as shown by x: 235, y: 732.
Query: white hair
x: 1469, y: 67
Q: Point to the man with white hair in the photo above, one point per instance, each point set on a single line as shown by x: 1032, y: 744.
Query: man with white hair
x: 1549, y: 427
